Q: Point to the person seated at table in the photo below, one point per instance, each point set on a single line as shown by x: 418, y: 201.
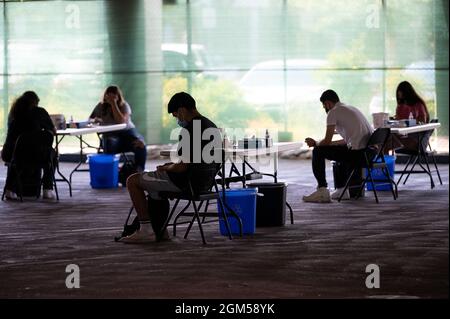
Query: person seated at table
x: 113, y: 109
x: 409, y: 105
x: 172, y: 177
x: 351, y: 124
x: 26, y: 116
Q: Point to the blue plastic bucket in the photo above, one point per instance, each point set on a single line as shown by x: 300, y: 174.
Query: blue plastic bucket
x: 383, y: 184
x: 243, y: 202
x: 104, y: 170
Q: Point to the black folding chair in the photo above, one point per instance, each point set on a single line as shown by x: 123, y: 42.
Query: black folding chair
x: 419, y: 156
x: 202, y: 187
x: 32, y: 153
x: 373, y: 158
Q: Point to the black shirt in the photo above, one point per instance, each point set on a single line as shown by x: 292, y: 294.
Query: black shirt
x: 37, y: 120
x: 191, y: 146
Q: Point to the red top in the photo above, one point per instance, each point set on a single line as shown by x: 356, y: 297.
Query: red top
x: 418, y: 111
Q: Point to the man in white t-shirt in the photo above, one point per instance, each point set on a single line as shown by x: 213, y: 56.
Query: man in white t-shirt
x: 355, y: 130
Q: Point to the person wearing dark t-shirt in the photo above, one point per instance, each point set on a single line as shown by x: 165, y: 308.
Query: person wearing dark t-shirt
x: 197, y: 132
x: 113, y: 109
x: 27, y: 116
x: 187, y: 147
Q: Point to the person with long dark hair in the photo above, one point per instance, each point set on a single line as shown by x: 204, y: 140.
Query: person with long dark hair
x: 26, y: 116
x: 409, y: 103
x: 113, y: 109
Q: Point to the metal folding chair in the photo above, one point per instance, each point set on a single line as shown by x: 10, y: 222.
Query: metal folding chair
x: 373, y: 159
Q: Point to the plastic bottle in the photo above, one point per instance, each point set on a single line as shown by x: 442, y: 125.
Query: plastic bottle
x: 267, y: 139
x: 411, y: 120
x: 226, y: 141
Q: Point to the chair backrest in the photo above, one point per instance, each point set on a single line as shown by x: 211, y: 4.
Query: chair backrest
x: 425, y: 138
x: 33, y: 147
x: 379, y: 137
x: 376, y: 143
x: 203, y: 176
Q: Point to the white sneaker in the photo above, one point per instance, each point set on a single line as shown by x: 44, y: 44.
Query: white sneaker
x: 138, y: 237
x: 335, y: 195
x: 321, y: 195
x: 10, y: 195
x: 49, y: 194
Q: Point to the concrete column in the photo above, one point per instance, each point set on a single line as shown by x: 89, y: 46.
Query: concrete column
x: 134, y: 34
x: 441, y: 63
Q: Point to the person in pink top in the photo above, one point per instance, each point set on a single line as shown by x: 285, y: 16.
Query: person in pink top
x: 410, y: 103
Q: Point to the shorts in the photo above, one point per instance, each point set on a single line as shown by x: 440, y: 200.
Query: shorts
x: 155, y: 182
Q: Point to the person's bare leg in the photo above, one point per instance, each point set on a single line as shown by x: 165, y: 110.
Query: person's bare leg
x: 137, y: 195
x: 138, y: 198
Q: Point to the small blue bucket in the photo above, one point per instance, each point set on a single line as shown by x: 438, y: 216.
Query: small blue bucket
x: 104, y: 170
x: 377, y: 174
x: 243, y: 202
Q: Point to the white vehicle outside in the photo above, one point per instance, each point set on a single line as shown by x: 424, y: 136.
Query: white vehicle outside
x: 272, y: 84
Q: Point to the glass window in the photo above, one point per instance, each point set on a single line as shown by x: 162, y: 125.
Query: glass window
x: 250, y: 64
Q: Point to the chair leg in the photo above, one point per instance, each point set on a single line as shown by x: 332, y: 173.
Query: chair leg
x: 369, y: 170
x: 236, y: 216
x: 346, y: 185
x: 19, y: 186
x: 38, y: 189
x: 4, y: 187
x: 54, y: 181
x: 291, y: 213
x: 193, y: 220
x: 428, y: 170
x: 388, y: 177
x: 178, y: 216
x: 4, y: 190
x: 405, y: 169
x: 425, y: 169
x: 225, y: 218
x: 197, y: 216
x: 174, y: 231
x: 205, y: 211
x: 437, y: 170
x: 8, y: 172
x: 361, y: 187
x: 416, y: 159
x: 395, y: 187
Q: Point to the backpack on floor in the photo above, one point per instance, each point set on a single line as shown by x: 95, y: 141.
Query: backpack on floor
x: 129, y: 229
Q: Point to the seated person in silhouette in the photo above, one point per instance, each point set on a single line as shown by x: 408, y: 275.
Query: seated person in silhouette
x: 26, y: 116
x: 197, y: 132
x: 113, y: 109
x: 355, y: 130
x: 409, y: 105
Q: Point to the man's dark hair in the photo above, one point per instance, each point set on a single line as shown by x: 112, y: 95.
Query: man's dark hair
x: 181, y: 99
x: 329, y: 95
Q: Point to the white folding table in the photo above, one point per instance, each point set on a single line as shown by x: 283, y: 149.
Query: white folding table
x: 232, y: 155
x: 78, y: 133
